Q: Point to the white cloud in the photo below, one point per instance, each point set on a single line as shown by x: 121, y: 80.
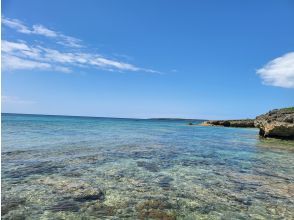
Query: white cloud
x: 10, y: 63
x: 14, y: 100
x: 279, y: 72
x: 70, y: 41
x: 43, y: 31
x: 16, y: 24
x: 8, y: 46
x: 19, y: 47
x: 19, y: 55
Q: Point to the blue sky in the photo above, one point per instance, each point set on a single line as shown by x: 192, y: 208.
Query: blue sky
x: 155, y: 58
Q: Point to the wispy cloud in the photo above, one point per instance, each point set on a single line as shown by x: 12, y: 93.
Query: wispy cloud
x: 19, y: 54
x: 16, y: 24
x: 279, y: 72
x: 14, y: 100
x: 10, y: 62
x: 38, y: 29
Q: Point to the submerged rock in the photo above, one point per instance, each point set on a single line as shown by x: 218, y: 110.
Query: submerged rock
x: 150, y: 166
x: 68, y: 206
x: 246, y: 123
x: 100, y: 209
x: 156, y: 214
x: 89, y: 195
x: 9, y: 204
x: 37, y: 168
x: 79, y: 191
x: 164, y: 182
x: 276, y: 123
x: 154, y: 204
x: 155, y: 209
x: 206, y: 208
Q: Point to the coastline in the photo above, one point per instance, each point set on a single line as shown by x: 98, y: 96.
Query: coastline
x: 277, y: 123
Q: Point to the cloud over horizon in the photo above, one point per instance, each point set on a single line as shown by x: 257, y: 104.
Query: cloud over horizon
x: 279, y: 72
x: 22, y: 55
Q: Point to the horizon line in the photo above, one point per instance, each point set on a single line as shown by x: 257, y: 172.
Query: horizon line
x: 88, y: 116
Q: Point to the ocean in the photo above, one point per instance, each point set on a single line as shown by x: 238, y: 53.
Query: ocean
x: 66, y: 167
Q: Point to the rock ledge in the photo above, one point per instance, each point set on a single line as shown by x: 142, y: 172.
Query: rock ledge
x: 278, y: 123
x: 245, y: 123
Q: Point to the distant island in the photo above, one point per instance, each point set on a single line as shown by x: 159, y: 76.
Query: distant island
x: 176, y: 119
x: 278, y: 123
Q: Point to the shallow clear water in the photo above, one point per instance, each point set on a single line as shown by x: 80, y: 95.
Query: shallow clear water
x: 56, y: 167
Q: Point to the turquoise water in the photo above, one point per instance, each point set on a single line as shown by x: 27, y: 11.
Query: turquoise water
x: 56, y: 167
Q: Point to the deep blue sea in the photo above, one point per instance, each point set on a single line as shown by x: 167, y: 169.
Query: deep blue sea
x: 63, y: 167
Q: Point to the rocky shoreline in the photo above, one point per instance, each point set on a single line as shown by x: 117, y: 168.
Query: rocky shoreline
x: 245, y: 123
x: 278, y: 123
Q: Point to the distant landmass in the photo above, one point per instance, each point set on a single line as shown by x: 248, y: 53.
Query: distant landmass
x: 177, y: 119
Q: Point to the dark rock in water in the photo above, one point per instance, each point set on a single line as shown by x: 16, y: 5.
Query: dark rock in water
x: 32, y: 169
x: 190, y: 123
x: 154, y: 204
x: 90, y: 195
x: 244, y: 201
x: 16, y: 152
x: 206, y: 209
x: 246, y: 123
x: 272, y: 174
x: 72, y: 174
x: 150, y: 166
x: 100, y: 209
x: 93, y: 159
x: 156, y: 214
x: 276, y: 123
x: 241, y: 200
x: 141, y: 154
x: 165, y: 182
x: 11, y: 204
x: 154, y: 209
x: 117, y: 176
x: 69, y: 206
x: 74, y: 190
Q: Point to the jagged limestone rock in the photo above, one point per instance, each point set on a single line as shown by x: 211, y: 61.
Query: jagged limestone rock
x: 278, y: 123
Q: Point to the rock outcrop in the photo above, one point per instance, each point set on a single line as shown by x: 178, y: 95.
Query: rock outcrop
x: 278, y: 123
x: 246, y: 123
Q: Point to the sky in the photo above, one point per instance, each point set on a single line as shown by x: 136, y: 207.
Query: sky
x: 150, y: 58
